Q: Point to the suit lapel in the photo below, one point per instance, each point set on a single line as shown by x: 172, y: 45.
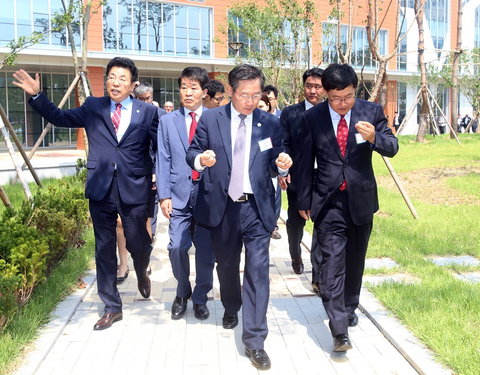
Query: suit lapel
x: 326, y: 125
x: 224, y: 123
x: 354, y: 118
x: 107, y: 117
x: 180, y: 125
x: 137, y: 109
x: 256, y: 135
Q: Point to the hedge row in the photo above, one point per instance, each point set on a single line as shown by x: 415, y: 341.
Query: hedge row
x: 35, y: 237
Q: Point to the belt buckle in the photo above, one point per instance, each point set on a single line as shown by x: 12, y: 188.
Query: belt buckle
x: 243, y: 198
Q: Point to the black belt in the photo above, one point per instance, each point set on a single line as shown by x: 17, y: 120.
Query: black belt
x: 243, y: 198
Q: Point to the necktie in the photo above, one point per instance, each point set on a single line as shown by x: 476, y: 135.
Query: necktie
x: 235, y: 188
x: 191, y: 133
x: 116, y: 116
x: 342, y: 135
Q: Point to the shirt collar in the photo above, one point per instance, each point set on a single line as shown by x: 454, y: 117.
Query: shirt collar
x: 235, y: 113
x: 126, y: 103
x: 198, y: 112
x: 336, y: 117
x: 308, y: 105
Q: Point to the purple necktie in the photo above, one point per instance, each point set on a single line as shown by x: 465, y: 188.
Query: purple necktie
x: 235, y: 188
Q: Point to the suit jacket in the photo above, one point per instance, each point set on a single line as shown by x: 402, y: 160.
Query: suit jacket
x: 214, y: 133
x: 290, y: 119
x: 320, y: 144
x: 130, y: 157
x: 174, y: 177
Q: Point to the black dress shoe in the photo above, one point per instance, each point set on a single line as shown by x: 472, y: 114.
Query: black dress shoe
x: 107, y: 320
x: 297, y: 266
x: 230, y: 321
x: 201, y: 311
x: 341, y: 343
x: 179, y: 307
x: 121, y: 279
x: 144, y: 286
x: 352, y: 319
x: 316, y: 288
x: 259, y: 358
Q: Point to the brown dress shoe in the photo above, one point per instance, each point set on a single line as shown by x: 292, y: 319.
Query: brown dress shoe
x: 107, y: 320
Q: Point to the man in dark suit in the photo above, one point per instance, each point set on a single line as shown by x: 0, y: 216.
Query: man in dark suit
x: 239, y: 147
x: 290, y: 120
x: 341, y: 195
x: 120, y: 132
x: 177, y: 190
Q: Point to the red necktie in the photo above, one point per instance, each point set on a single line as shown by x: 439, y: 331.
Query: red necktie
x: 193, y: 127
x: 116, y: 116
x: 342, y: 135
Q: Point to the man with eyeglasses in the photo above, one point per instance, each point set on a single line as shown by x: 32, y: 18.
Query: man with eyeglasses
x: 239, y: 148
x: 215, y: 94
x: 290, y: 120
x: 340, y: 134
x: 120, y: 132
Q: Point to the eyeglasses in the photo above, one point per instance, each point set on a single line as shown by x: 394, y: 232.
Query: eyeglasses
x: 347, y: 100
x: 246, y: 97
x: 122, y: 80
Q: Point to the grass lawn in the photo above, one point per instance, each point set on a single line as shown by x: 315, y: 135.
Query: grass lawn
x: 24, y: 328
x: 443, y: 181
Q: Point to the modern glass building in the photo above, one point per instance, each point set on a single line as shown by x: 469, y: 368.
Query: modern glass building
x: 163, y: 37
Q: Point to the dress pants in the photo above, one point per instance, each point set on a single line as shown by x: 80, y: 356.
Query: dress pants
x: 343, y: 246
x: 295, y: 224
x: 182, y: 230
x: 241, y: 225
x: 104, y: 217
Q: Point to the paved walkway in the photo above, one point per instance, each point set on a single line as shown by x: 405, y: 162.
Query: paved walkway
x: 147, y: 341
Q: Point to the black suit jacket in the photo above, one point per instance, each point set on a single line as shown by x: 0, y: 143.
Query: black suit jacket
x: 291, y: 119
x: 214, y: 133
x: 130, y: 157
x: 320, y: 144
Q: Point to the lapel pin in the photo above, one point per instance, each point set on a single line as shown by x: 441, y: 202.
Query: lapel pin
x: 138, y: 111
x: 259, y: 125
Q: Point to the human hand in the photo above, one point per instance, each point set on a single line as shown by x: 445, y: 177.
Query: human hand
x: 284, y: 161
x: 208, y: 158
x: 166, y: 207
x: 305, y: 214
x: 367, y: 131
x: 283, y: 182
x: 26, y: 82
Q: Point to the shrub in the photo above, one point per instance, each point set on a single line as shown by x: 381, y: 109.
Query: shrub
x: 35, y: 238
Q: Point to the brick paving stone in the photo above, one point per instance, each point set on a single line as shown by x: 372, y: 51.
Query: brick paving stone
x: 147, y: 341
x: 471, y: 277
x: 463, y: 260
x: 379, y: 263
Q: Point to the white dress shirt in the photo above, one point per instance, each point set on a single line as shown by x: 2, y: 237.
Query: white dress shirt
x: 188, y: 118
x: 336, y: 118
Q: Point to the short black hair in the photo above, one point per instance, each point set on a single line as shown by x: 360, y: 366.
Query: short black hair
x: 123, y: 62
x: 213, y: 86
x: 314, y: 72
x: 338, y: 77
x: 195, y: 73
x: 270, y: 88
x: 245, y: 72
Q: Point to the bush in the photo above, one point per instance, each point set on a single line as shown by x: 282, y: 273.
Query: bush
x: 35, y: 238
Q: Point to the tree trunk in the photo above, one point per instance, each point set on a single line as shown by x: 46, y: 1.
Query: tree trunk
x: 424, y: 112
x: 455, y: 64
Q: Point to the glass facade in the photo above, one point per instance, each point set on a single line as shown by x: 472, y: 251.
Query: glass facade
x: 22, y: 17
x: 361, y: 55
x: 476, y: 38
x: 28, y: 124
x: 436, y: 13
x: 164, y: 89
x: 152, y: 27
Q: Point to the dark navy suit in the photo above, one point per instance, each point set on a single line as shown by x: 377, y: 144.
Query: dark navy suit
x: 235, y: 224
x: 343, y: 219
x: 290, y: 120
x: 118, y: 182
x: 174, y: 181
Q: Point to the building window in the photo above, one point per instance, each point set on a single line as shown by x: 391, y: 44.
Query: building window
x: 22, y: 17
x: 402, y: 47
x: 28, y: 124
x: 164, y: 89
x: 361, y: 55
x: 476, y: 39
x: 436, y: 13
x: 152, y: 27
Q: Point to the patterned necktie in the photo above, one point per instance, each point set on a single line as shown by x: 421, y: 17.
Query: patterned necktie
x: 342, y: 135
x: 117, y: 116
x: 191, y: 133
x: 235, y: 188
